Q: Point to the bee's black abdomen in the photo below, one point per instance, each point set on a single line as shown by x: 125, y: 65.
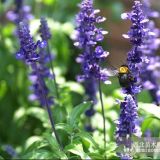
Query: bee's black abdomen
x: 124, y: 80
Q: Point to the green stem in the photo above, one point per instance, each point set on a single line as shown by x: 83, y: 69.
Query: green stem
x: 53, y: 72
x: 103, y: 114
x: 48, y: 107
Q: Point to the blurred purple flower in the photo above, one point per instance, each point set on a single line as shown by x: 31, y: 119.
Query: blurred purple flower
x: 44, y: 30
x: 147, y: 9
x: 11, y: 151
x: 21, y: 12
x: 150, y: 74
x: 45, y: 57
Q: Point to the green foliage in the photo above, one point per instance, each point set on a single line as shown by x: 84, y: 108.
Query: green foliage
x: 25, y: 125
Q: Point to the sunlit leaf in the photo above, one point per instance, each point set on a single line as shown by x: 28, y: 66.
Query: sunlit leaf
x: 77, y: 149
x: 65, y: 127
x: 77, y: 111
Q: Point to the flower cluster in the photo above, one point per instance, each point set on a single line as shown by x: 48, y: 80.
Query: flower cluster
x: 28, y: 47
x: 28, y: 53
x: 150, y: 73
x: 87, y: 36
x: 127, y: 125
x: 21, y: 12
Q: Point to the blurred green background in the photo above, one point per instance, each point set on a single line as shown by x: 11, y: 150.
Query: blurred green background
x: 17, y: 123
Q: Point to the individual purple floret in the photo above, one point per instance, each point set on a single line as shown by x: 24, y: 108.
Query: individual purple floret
x: 21, y: 12
x: 150, y: 74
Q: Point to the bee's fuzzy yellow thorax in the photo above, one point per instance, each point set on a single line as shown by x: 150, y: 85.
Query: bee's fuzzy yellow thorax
x: 123, y: 69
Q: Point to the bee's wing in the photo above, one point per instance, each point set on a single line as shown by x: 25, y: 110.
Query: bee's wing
x: 111, y: 72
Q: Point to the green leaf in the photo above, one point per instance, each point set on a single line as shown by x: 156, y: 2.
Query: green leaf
x: 96, y: 156
x: 86, y: 136
x: 150, y: 109
x: 77, y: 149
x: 64, y: 127
x: 55, y: 146
x: 75, y: 87
x: 34, y: 142
x: 39, y: 154
x: 77, y: 111
x: 39, y: 113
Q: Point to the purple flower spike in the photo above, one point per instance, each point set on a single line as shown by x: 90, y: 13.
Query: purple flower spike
x: 44, y: 30
x: 127, y: 123
x: 87, y: 37
x: 28, y: 53
x: 137, y: 31
x: 41, y: 93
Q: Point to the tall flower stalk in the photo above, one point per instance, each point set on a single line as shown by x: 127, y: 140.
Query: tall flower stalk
x: 150, y: 74
x: 127, y: 123
x: 46, y: 36
x: 87, y: 38
x: 28, y: 53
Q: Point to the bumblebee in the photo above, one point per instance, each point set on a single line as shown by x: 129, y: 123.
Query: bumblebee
x: 124, y: 75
